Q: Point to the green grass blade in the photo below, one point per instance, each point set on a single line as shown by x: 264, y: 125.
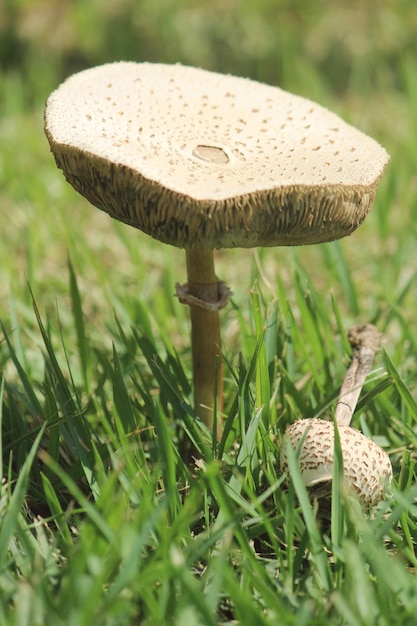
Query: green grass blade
x: 168, y: 389
x: 316, y: 542
x: 83, y: 501
x: 341, y: 326
x: 1, y: 423
x: 121, y: 397
x: 33, y: 402
x: 16, y: 501
x: 75, y: 430
x: 337, y: 508
x: 17, y: 334
x: 82, y: 340
x: 55, y: 507
x: 168, y: 459
x: 401, y: 387
x: 263, y: 389
x: 333, y: 253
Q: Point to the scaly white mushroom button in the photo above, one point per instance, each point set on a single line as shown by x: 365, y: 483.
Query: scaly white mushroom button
x: 367, y: 467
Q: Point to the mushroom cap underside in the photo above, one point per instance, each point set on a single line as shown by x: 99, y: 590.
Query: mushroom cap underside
x: 367, y: 468
x: 195, y: 158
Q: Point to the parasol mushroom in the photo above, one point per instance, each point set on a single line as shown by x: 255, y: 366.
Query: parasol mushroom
x: 202, y: 161
x: 367, y: 467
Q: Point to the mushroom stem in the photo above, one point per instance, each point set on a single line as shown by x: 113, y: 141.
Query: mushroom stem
x: 365, y: 341
x: 205, y: 336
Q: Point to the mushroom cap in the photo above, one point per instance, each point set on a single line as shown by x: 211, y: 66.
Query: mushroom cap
x: 197, y: 158
x: 367, y: 468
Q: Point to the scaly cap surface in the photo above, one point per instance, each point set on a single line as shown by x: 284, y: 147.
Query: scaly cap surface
x: 196, y: 158
x: 367, y: 468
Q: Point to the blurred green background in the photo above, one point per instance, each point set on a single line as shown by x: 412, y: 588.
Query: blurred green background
x: 336, y: 48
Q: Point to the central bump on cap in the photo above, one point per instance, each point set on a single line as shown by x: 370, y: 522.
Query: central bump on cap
x: 211, y: 154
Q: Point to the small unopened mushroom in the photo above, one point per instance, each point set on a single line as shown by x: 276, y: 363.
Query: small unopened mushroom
x: 367, y: 468
x: 202, y: 161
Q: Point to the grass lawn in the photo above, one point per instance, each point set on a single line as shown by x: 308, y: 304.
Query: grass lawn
x: 105, y: 518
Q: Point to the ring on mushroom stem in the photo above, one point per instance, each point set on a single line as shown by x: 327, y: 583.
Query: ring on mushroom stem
x: 367, y: 468
x: 202, y: 161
